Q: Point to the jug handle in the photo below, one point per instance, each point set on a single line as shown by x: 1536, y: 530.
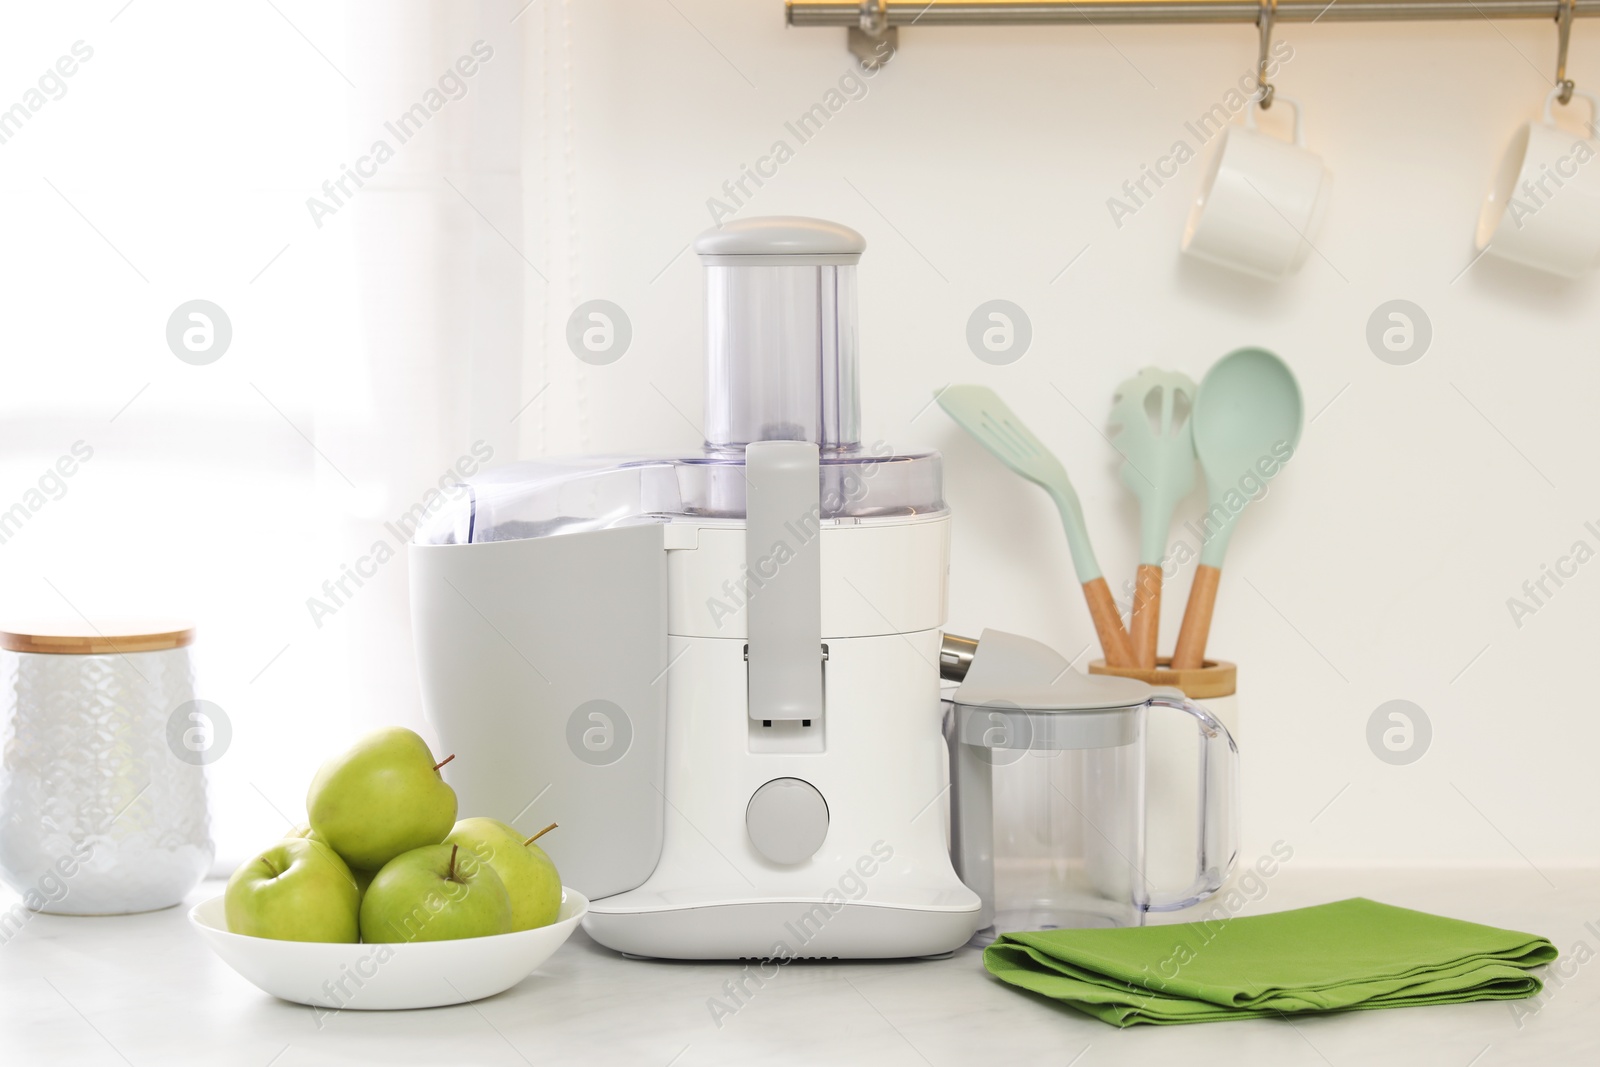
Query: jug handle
x: 1217, y: 829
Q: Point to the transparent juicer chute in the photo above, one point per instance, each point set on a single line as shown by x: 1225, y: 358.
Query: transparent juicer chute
x: 781, y: 354
x: 782, y: 364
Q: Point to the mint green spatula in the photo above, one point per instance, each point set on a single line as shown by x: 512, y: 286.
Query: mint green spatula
x: 980, y: 411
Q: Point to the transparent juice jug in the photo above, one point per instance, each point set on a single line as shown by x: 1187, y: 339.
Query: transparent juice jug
x: 1048, y: 792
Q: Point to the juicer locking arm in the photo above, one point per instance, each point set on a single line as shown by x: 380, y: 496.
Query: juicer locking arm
x: 783, y: 545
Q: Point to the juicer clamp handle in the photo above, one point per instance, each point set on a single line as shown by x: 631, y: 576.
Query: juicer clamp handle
x: 783, y: 566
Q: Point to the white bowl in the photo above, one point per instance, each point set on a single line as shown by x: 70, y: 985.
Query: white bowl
x: 422, y: 974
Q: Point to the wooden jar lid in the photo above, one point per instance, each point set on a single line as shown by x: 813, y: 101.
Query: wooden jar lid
x: 76, y: 637
x: 1216, y: 678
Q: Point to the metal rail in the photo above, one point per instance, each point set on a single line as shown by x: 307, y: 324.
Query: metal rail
x: 898, y: 13
x: 874, y: 25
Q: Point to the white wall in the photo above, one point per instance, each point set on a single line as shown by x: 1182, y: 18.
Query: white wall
x: 978, y: 166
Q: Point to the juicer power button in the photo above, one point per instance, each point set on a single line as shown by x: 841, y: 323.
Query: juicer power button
x: 787, y: 820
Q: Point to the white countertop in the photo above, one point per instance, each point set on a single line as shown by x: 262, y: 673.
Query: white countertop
x: 145, y: 989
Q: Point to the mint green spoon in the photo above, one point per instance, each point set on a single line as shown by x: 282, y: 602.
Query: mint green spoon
x: 978, y: 410
x: 1247, y: 419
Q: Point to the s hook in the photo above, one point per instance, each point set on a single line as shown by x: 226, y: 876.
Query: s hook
x: 1564, y: 84
x: 1269, y: 10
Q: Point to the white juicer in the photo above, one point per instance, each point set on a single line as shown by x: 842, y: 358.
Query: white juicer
x: 718, y: 673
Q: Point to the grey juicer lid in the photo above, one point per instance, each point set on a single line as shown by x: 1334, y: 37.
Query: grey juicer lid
x: 780, y: 239
x: 1018, y: 672
x: 1022, y: 695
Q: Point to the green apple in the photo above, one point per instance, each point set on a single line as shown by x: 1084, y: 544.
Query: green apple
x: 529, y: 876
x: 363, y: 878
x: 434, y: 893
x: 297, y: 890
x: 381, y: 798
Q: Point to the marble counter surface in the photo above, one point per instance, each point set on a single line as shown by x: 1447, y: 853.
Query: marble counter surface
x: 145, y: 990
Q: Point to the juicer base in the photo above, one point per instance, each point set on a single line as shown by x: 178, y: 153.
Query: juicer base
x: 780, y: 931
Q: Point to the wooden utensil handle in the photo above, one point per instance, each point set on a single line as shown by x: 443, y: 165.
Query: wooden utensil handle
x: 1190, y: 652
x: 1146, y: 614
x: 1108, y: 624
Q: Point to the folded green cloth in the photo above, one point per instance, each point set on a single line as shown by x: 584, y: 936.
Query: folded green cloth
x: 1334, y: 957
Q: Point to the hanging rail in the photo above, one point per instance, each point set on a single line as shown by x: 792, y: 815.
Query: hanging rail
x: 897, y: 13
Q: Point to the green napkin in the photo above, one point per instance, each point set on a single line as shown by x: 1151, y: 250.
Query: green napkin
x: 1334, y: 957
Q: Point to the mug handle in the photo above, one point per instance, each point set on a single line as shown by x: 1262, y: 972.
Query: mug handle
x: 1300, y: 114
x: 1217, y: 849
x: 1555, y: 94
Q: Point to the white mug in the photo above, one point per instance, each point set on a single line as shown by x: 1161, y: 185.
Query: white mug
x: 1262, y: 202
x: 1543, y: 210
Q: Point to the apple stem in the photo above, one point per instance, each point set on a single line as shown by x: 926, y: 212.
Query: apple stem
x: 450, y: 875
x: 540, y: 834
x: 442, y: 762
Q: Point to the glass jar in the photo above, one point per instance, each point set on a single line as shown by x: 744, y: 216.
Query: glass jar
x: 102, y: 780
